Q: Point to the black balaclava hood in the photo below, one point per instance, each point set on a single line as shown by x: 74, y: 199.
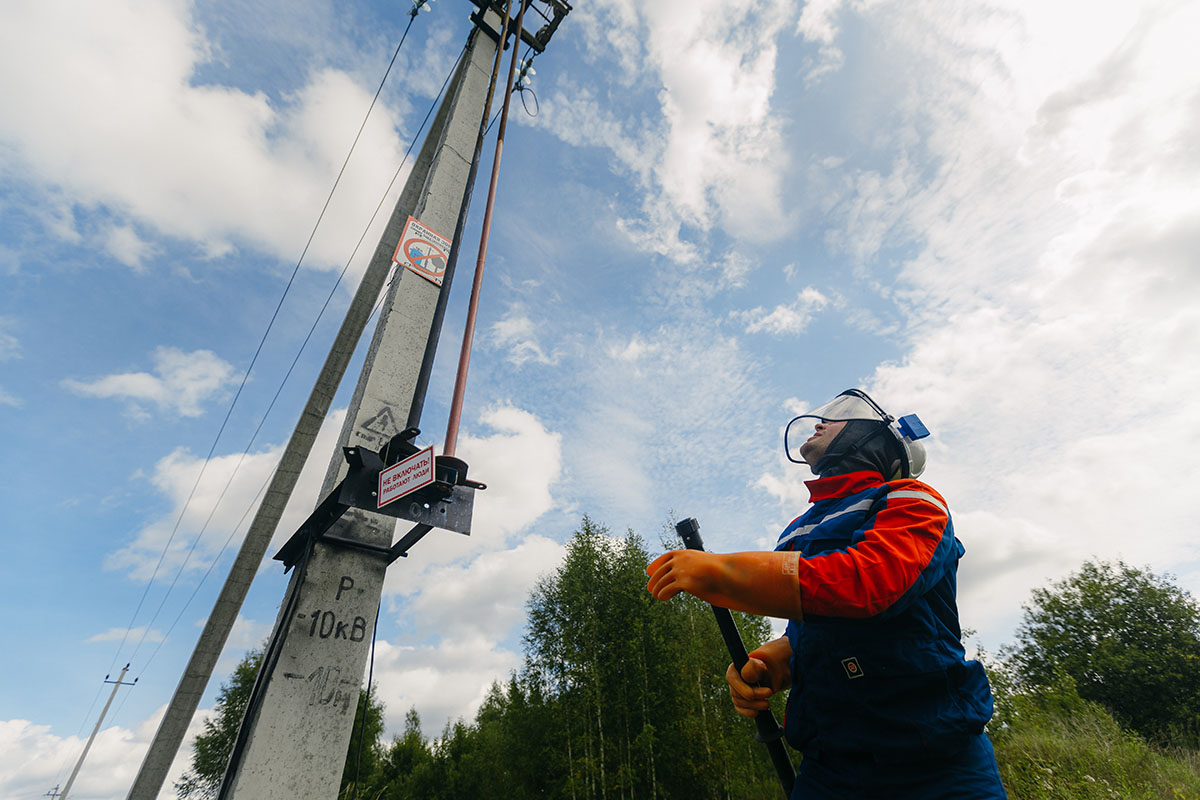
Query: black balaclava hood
x: 861, y: 445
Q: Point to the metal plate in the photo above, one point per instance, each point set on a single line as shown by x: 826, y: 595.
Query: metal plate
x: 452, y: 514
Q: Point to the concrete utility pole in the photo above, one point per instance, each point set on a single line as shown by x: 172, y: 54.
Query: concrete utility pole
x: 297, y: 729
x: 432, y: 193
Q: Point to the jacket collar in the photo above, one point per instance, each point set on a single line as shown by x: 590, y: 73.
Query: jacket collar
x: 842, y: 485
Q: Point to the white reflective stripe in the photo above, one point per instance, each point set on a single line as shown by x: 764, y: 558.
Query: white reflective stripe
x: 922, y: 496
x: 861, y: 505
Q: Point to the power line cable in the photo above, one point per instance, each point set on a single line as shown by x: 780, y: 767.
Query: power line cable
x: 216, y: 559
x: 117, y: 711
x: 207, y: 572
x: 295, y: 360
x: 270, y: 657
x: 518, y: 89
x: 277, y: 641
x: 79, y: 733
x: 417, y: 5
x: 362, y: 725
x: 262, y: 341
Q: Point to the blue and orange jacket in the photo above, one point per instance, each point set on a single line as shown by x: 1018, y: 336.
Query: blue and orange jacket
x: 878, y: 666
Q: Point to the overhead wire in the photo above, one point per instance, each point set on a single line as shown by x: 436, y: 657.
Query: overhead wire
x: 66, y: 760
x: 270, y: 657
x: 362, y: 725
x: 458, y: 229
x: 518, y: 89
x: 275, y: 646
x: 279, y: 390
x: 242, y: 384
x: 258, y: 349
x: 245, y: 377
x: 537, y: 107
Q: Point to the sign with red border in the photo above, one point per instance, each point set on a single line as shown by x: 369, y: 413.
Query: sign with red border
x: 423, y: 250
x: 406, y: 477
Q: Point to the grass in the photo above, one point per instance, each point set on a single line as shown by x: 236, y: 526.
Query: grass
x: 1054, y: 746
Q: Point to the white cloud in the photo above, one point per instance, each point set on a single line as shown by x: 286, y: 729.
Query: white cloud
x: 516, y: 332
x: 672, y: 415
x: 485, y: 597
x: 205, y: 525
x: 873, y: 206
x: 123, y: 243
x: 632, y: 351
x: 10, y: 347
x: 119, y: 634
x: 520, y: 461
x: 245, y: 635
x: 457, y: 597
x: 816, y: 21
x: 443, y: 682
x: 1050, y: 207
x: 182, y: 382
x: 36, y: 760
x: 787, y: 487
x: 792, y: 318
x: 818, y: 24
x: 162, y: 150
x: 716, y: 159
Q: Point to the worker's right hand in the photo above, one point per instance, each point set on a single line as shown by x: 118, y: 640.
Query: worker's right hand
x: 769, y: 666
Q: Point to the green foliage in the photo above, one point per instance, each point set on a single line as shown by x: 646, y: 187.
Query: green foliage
x: 1051, y: 744
x: 211, y: 749
x: 620, y: 696
x: 368, y: 728
x: 1128, y: 639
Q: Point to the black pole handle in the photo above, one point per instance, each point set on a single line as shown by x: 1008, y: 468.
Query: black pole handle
x: 768, y: 731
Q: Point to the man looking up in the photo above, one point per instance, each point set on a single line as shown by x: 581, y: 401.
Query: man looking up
x: 883, y: 702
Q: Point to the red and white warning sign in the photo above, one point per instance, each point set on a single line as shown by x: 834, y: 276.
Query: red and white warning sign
x: 423, y: 250
x: 406, y: 477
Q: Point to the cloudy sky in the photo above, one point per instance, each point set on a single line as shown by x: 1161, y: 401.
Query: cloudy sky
x: 984, y: 212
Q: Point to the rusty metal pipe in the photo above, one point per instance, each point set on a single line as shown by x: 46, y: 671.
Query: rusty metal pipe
x: 464, y: 358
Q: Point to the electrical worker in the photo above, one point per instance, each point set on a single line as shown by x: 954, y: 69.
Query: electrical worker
x: 883, y: 702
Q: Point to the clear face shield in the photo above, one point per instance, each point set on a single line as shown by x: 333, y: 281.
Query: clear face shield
x: 846, y: 406
x: 854, y: 404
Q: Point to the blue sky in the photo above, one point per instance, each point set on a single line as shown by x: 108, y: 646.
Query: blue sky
x: 983, y: 212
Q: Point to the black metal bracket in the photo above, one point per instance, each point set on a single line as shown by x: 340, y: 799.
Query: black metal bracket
x: 447, y: 502
x: 538, y: 41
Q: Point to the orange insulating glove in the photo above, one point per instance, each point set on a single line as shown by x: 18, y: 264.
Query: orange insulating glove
x: 758, y: 583
x: 767, y: 672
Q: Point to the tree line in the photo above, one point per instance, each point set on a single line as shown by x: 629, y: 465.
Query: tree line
x: 621, y: 697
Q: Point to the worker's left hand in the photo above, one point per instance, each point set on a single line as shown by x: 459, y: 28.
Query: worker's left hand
x: 758, y: 583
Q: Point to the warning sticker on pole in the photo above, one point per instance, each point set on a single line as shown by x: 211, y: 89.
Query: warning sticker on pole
x: 423, y: 251
x: 409, y: 475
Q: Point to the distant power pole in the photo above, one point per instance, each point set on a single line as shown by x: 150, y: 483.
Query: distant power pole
x: 117, y: 684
